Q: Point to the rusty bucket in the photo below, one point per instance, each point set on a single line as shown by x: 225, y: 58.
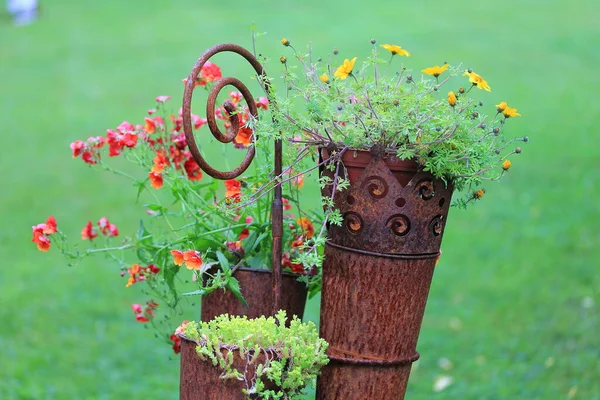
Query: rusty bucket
x: 201, y: 380
x: 377, y: 272
x: 256, y: 288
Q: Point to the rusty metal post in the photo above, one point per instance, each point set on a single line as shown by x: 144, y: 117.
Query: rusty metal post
x: 377, y: 273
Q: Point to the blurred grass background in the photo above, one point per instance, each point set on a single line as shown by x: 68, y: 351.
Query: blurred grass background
x: 514, y: 310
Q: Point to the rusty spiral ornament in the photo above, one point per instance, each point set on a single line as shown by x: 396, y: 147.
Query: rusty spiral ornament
x: 277, y: 207
x: 229, y: 107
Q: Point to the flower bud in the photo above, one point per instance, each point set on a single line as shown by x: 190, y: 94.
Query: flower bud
x: 285, y: 42
x: 526, y: 139
x: 461, y: 90
x: 335, y: 51
x: 506, y: 165
x: 373, y: 41
x: 496, y: 130
x: 518, y: 150
x: 283, y: 59
x: 396, y: 102
x: 475, y: 114
x: 478, y: 194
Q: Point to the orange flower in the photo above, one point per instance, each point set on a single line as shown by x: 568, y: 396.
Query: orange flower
x: 177, y: 257
x: 160, y: 162
x: 307, y: 227
x: 50, y: 227
x: 156, y: 180
x: 232, y: 188
x: 192, y: 259
x: 244, y: 137
x: 88, y: 232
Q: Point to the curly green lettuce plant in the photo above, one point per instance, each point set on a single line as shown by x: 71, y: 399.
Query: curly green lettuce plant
x: 293, y: 356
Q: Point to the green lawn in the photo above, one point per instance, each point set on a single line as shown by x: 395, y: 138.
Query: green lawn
x: 515, y: 302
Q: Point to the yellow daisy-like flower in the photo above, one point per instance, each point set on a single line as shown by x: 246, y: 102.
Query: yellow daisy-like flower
x: 510, y: 112
x: 478, y: 194
x: 324, y: 78
x: 501, y: 107
x: 477, y: 80
x: 392, y: 48
x: 435, y: 71
x: 506, y: 165
x: 451, y: 99
x: 345, y: 69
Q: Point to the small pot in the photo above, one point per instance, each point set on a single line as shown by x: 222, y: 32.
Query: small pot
x: 256, y: 288
x: 201, y: 380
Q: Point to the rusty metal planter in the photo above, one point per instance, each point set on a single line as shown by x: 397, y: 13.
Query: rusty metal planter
x: 256, y: 288
x: 200, y: 380
x: 377, y: 272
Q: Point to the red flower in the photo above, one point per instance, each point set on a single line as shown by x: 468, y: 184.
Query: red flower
x: 125, y: 127
x: 156, y: 180
x: 141, y: 318
x: 130, y: 139
x: 88, y: 232
x: 192, y: 169
x: 41, y: 240
x: 209, y: 73
x: 144, y: 313
x: 50, y: 227
x: 115, y: 143
x: 107, y: 228
x: 263, y: 103
x: 153, y: 268
x: 235, y: 97
x: 286, y: 204
x: 198, y: 121
x: 96, y: 142
x: 235, y: 247
x: 88, y: 157
x: 77, y: 147
x: 176, y: 343
x: 232, y: 188
x: 286, y: 262
x: 137, y: 308
x: 162, y: 99
x: 244, y: 234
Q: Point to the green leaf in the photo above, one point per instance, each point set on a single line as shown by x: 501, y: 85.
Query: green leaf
x: 234, y: 286
x: 223, y: 262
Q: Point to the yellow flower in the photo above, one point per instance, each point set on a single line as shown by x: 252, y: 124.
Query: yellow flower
x: 345, y: 69
x: 510, y: 112
x: 324, y: 78
x: 285, y: 42
x: 392, y: 48
x: 477, y: 80
x: 435, y: 71
x: 283, y: 59
x: 451, y: 99
x: 506, y: 165
x: 478, y: 194
x: 501, y: 107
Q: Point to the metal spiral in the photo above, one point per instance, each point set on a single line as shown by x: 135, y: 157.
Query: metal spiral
x: 277, y: 208
x: 229, y: 107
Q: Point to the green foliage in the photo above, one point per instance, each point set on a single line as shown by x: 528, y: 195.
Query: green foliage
x: 293, y: 356
x: 380, y: 104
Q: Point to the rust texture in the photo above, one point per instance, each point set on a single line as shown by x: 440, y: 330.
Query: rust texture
x: 200, y: 380
x: 376, y: 274
x: 256, y: 289
x: 277, y: 206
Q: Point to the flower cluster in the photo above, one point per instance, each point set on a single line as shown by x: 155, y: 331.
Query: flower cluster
x: 377, y: 103
x: 41, y: 233
x: 189, y: 220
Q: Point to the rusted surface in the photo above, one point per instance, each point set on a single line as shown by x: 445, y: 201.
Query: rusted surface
x: 200, y: 380
x: 277, y: 206
x: 376, y: 275
x: 391, y: 206
x: 256, y: 289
